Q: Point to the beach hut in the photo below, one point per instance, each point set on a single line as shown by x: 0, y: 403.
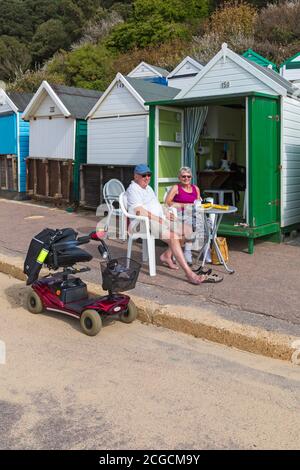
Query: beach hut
x: 259, y: 59
x: 150, y: 73
x: 14, y: 143
x: 184, y: 73
x: 249, y: 115
x: 290, y: 69
x: 58, y: 138
x: 118, y: 134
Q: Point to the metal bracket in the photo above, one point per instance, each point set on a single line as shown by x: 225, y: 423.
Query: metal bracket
x: 274, y: 118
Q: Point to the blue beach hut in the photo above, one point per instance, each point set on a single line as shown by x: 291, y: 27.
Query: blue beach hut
x: 14, y: 144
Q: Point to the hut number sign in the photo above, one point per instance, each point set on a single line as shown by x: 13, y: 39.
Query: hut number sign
x: 225, y: 84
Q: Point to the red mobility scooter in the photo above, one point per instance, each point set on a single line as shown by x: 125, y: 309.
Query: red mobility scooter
x: 64, y: 293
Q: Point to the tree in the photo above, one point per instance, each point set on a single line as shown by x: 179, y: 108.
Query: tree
x: 123, y: 9
x: 14, y: 57
x: 167, y: 55
x: 90, y: 66
x: 222, y: 24
x: 171, y: 10
x: 88, y: 7
x: 102, y: 24
x: 110, y: 3
x: 155, y: 31
x: 279, y: 23
x: 256, y: 3
x: 30, y: 81
x: 15, y: 20
x: 49, y: 37
x: 155, y: 21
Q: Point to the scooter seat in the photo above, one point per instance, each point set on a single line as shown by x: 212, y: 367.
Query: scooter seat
x: 74, y: 255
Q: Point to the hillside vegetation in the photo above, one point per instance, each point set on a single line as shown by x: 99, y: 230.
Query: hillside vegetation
x: 86, y: 42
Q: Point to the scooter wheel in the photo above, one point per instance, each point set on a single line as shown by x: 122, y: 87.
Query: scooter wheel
x: 34, y: 303
x: 131, y: 313
x: 90, y: 322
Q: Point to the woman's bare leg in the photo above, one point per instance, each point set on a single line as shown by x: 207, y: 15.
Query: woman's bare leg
x: 176, y: 250
x: 175, y: 242
x: 166, y: 257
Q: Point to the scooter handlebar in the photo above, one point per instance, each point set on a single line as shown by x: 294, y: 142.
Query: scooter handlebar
x: 97, y: 236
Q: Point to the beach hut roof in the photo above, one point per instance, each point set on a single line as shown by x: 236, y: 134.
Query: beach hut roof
x: 21, y: 100
x: 158, y: 71
x: 142, y: 90
x: 72, y: 101
x: 290, y: 88
x: 268, y: 77
x: 78, y: 101
x: 292, y: 62
x: 148, y: 90
x: 196, y: 65
x: 259, y: 59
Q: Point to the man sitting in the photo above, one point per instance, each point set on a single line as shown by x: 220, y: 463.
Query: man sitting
x: 142, y: 200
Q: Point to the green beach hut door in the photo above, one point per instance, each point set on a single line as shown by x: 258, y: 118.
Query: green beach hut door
x: 263, y: 161
x: 169, y: 147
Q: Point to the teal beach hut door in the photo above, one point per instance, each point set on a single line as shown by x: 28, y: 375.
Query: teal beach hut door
x: 263, y: 161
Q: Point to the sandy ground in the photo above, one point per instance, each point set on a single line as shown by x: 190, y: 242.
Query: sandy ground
x: 135, y: 387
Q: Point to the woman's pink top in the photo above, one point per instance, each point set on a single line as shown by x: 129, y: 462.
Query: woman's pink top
x: 183, y: 197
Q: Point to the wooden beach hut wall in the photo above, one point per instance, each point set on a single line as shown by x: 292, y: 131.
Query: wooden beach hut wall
x: 259, y: 59
x: 254, y: 114
x: 184, y: 73
x: 290, y: 69
x: 14, y: 144
x: 150, y: 73
x: 58, y: 140
x: 118, y: 134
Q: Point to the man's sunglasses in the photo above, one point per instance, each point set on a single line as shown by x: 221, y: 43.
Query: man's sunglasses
x: 146, y: 174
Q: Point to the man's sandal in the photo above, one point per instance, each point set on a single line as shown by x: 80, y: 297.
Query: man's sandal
x: 202, y: 271
x: 213, y: 279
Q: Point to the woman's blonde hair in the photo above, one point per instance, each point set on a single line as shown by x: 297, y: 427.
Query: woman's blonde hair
x: 185, y: 169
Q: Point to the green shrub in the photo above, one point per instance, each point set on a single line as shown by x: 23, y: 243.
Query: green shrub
x: 30, y: 81
x: 156, y: 21
x: 89, y: 66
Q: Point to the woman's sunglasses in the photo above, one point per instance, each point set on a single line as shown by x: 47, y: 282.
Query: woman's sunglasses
x: 185, y: 177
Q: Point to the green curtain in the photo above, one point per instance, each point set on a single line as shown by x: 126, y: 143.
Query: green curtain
x: 194, y: 119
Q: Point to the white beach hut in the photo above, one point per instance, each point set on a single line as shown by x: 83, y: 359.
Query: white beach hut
x: 184, y: 73
x: 118, y: 133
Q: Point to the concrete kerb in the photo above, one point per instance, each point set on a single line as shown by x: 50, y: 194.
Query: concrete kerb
x: 201, y: 323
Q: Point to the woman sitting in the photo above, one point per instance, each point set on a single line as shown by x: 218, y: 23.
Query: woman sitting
x: 179, y: 196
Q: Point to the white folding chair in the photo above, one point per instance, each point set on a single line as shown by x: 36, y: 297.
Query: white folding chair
x: 139, y: 227
x: 111, y: 192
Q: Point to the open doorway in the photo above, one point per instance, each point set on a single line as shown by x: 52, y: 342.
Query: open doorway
x: 221, y: 159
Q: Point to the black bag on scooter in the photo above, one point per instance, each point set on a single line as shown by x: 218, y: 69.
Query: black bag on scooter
x: 37, y: 254
x: 42, y: 251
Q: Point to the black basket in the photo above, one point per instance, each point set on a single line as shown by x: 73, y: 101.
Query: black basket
x: 119, y: 275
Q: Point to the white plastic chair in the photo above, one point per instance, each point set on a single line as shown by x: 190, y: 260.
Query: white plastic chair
x: 220, y: 193
x: 139, y: 227
x: 111, y: 192
x: 167, y: 189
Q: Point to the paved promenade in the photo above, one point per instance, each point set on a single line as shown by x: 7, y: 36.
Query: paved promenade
x: 263, y: 293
